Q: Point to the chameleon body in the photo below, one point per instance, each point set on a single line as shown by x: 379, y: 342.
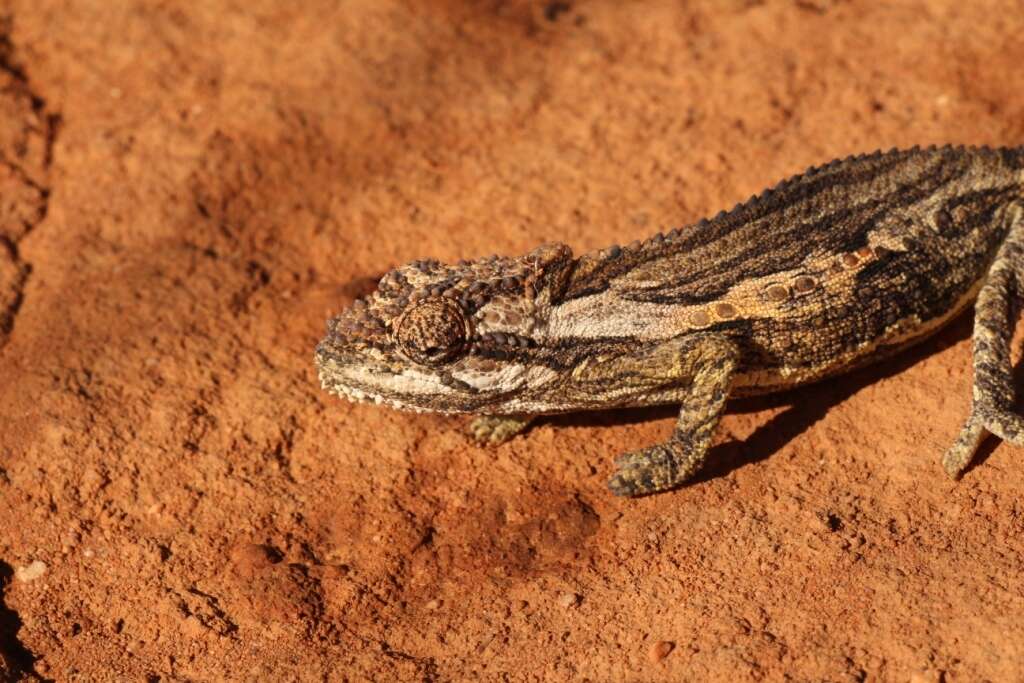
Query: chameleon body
x: 829, y: 270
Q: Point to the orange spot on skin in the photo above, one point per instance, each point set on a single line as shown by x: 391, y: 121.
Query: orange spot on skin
x: 777, y: 293
x: 725, y: 310
x: 804, y: 284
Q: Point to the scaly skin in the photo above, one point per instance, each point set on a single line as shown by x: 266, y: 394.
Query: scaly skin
x: 835, y: 268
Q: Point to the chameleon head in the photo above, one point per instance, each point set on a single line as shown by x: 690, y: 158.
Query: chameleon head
x: 441, y: 338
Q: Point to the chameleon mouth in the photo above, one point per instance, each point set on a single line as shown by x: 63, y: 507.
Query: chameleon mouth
x: 358, y: 395
x: 421, y: 394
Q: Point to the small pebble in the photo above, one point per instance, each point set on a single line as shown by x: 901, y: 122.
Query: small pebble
x: 660, y: 650
x: 30, y: 572
x: 569, y: 600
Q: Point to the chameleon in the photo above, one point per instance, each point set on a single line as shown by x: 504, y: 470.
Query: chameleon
x: 840, y: 266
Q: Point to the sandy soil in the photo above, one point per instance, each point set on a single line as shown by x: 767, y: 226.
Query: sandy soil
x: 189, y: 189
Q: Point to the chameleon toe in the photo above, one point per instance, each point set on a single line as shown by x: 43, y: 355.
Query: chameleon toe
x: 492, y: 430
x: 647, y: 470
x: 631, y: 482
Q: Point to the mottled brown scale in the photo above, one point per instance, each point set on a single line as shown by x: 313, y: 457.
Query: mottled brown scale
x: 837, y: 267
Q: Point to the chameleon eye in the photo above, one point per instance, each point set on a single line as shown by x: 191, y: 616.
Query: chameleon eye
x: 432, y: 331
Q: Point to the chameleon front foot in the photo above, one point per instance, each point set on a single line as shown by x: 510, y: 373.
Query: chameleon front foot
x: 664, y: 466
x: 491, y: 430
x: 655, y: 468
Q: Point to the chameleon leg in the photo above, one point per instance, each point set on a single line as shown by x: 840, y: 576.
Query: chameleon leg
x: 993, y: 395
x: 666, y: 465
x: 497, y: 429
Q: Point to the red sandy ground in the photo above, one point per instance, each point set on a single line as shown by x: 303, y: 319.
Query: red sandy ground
x: 189, y: 189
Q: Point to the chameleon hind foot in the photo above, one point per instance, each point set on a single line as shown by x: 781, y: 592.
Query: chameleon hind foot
x: 1000, y: 423
x: 1004, y: 424
x: 956, y: 459
x: 994, y: 392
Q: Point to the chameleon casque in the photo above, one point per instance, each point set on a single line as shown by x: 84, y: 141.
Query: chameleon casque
x: 829, y: 270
